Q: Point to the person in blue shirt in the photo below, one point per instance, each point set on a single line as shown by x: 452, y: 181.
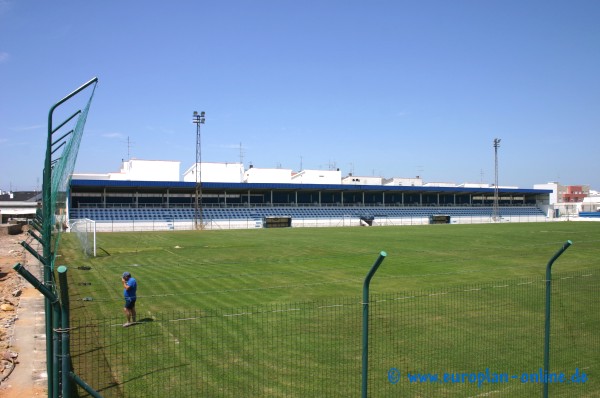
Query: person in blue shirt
x: 130, y: 286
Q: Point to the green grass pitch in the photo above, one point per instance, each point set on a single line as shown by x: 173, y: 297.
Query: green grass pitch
x: 219, y: 270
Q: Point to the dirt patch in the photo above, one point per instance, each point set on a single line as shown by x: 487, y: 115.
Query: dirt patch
x: 21, y: 392
x: 11, y: 284
x: 12, y: 289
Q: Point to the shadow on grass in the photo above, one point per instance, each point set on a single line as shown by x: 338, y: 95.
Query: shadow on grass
x: 119, y: 386
x: 101, y: 249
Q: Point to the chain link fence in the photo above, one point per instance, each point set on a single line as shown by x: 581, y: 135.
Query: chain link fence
x: 465, y: 341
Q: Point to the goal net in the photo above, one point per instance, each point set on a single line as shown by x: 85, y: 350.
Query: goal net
x: 85, y: 230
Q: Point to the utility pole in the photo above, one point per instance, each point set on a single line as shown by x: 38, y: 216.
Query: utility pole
x: 496, y: 209
x: 198, y: 120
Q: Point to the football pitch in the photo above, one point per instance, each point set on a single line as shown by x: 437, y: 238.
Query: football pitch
x: 215, y: 274
x: 221, y: 269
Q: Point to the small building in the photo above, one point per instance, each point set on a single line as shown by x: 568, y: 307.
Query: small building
x: 215, y: 172
x: 440, y: 184
x: 357, y: 180
x: 138, y: 170
x: 258, y: 175
x: 317, y: 177
x: 403, y: 182
x: 591, y: 204
x: 19, y: 205
x: 568, y: 200
x: 553, y: 186
x: 573, y: 193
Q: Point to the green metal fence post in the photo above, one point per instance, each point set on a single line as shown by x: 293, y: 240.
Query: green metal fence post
x: 84, y: 385
x: 64, y: 332
x: 547, y: 322
x: 47, y: 226
x: 51, y: 301
x: 365, y: 340
x: 56, y: 358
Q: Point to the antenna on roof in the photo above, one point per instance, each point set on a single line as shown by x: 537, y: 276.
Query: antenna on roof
x: 129, y: 144
x: 496, y: 209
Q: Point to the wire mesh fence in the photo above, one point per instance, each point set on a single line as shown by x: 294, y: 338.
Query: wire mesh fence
x: 463, y: 341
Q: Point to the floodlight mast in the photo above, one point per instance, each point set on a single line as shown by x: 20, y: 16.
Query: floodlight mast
x: 496, y: 209
x: 198, y: 119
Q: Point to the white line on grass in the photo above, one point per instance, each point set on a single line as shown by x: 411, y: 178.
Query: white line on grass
x: 240, y: 314
x: 162, y: 327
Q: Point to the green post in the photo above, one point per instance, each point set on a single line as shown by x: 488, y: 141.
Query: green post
x: 547, y: 323
x: 34, y: 253
x: 52, y: 302
x: 36, y: 283
x: 365, y: 340
x: 46, y: 231
x: 64, y: 332
x: 84, y: 385
x: 56, y: 358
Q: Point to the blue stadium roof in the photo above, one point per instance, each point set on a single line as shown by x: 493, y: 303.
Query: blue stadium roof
x: 295, y: 187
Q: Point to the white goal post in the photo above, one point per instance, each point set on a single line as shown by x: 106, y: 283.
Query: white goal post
x: 85, y: 229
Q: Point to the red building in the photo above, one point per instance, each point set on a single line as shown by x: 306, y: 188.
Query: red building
x: 574, y: 193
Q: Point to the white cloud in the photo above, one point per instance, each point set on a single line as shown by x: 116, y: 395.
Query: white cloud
x: 3, y: 57
x: 113, y: 135
x: 27, y: 128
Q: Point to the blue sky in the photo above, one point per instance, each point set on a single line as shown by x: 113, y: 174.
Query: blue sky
x: 386, y: 88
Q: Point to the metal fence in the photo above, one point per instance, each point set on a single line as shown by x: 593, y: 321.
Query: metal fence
x: 464, y: 341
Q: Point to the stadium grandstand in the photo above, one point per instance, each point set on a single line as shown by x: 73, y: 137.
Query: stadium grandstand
x: 149, y: 195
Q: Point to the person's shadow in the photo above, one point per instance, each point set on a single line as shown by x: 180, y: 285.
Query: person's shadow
x: 144, y: 320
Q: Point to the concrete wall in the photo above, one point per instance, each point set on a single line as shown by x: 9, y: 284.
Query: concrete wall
x: 138, y: 170
x: 591, y: 203
x: 90, y: 176
x: 553, y: 197
x: 216, y: 172
x: 277, y: 176
x: 404, y: 182
x: 147, y: 170
x: 358, y: 180
x: 317, y: 177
